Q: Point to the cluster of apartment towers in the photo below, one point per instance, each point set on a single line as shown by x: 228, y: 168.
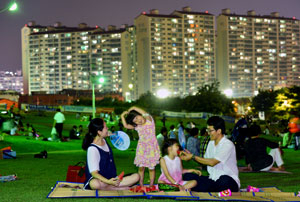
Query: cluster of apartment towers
x: 178, y: 52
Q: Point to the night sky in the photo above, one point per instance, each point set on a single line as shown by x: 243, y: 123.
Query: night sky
x: 112, y: 12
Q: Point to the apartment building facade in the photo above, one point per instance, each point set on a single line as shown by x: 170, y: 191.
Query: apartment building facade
x: 59, y: 57
x: 257, y: 52
x: 176, y: 52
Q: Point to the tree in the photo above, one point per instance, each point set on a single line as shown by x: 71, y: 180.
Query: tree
x: 264, y: 101
x: 287, y: 101
x: 209, y: 99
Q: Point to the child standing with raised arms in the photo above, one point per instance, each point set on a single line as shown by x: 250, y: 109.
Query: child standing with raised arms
x: 147, y: 151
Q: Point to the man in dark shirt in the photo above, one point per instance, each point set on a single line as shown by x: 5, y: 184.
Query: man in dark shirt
x: 257, y: 157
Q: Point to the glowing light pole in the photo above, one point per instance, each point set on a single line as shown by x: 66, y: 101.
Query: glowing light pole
x: 95, y: 80
x: 228, y: 92
x: 130, y: 86
x: 12, y: 6
x: 163, y: 93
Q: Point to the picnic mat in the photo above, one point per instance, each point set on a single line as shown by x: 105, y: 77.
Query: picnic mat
x: 246, y: 170
x: 74, y: 190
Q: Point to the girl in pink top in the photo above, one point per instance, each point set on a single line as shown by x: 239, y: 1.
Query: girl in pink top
x: 147, y: 151
x: 171, y: 167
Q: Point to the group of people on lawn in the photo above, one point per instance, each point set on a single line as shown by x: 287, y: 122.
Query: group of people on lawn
x: 219, y: 157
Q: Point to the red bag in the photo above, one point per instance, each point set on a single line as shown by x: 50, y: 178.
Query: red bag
x: 76, y: 173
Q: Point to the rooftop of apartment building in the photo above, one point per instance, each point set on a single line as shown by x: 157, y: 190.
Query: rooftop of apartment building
x: 185, y: 10
x: 59, y: 28
x: 252, y: 14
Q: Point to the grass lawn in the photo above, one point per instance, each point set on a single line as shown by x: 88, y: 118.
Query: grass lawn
x: 37, y: 176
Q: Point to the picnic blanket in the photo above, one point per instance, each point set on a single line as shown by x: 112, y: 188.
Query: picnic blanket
x: 75, y: 190
x: 246, y: 170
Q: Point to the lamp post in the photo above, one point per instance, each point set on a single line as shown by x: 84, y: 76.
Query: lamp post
x: 130, y: 86
x: 12, y: 6
x: 95, y: 80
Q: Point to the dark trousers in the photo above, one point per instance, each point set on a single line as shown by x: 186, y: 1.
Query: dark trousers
x: 59, y: 129
x: 204, y: 184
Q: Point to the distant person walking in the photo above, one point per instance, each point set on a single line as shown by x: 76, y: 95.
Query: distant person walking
x: 58, y: 123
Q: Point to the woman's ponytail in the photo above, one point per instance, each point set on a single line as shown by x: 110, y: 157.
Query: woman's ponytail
x: 95, y: 125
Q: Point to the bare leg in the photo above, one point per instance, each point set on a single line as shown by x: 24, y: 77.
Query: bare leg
x: 98, y: 184
x: 130, y: 180
x: 142, y: 173
x: 190, y: 184
x: 152, y: 176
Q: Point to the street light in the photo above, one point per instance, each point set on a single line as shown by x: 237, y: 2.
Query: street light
x: 228, y: 92
x: 12, y: 6
x: 163, y: 93
x: 130, y: 86
x: 95, y: 80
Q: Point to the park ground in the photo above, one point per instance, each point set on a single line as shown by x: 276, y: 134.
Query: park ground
x: 37, y: 176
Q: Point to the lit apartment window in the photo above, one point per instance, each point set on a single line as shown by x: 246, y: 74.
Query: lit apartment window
x: 190, y: 16
x: 174, y: 20
x: 45, y: 35
x: 84, y: 47
x: 114, y: 50
x: 116, y: 35
x: 258, y: 20
x: 68, y: 35
x: 282, y: 54
x: 69, y: 57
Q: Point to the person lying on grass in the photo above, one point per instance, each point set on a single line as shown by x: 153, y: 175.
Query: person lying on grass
x: 100, y: 169
x: 171, y: 167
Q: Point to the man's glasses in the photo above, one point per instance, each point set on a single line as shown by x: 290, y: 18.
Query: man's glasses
x: 209, y: 131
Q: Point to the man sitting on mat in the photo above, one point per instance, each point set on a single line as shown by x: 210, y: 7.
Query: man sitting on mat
x: 220, y: 158
x: 257, y: 157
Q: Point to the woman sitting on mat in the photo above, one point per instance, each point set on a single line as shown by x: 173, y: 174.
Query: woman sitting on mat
x: 100, y: 169
x: 171, y: 167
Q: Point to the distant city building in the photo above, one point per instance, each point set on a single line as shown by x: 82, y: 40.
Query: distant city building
x: 257, y: 52
x: 176, y: 52
x: 59, y: 57
x: 11, y: 81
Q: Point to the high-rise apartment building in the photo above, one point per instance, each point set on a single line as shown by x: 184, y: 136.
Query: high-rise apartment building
x: 59, y: 57
x: 111, y: 57
x: 175, y: 52
x: 257, y: 52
